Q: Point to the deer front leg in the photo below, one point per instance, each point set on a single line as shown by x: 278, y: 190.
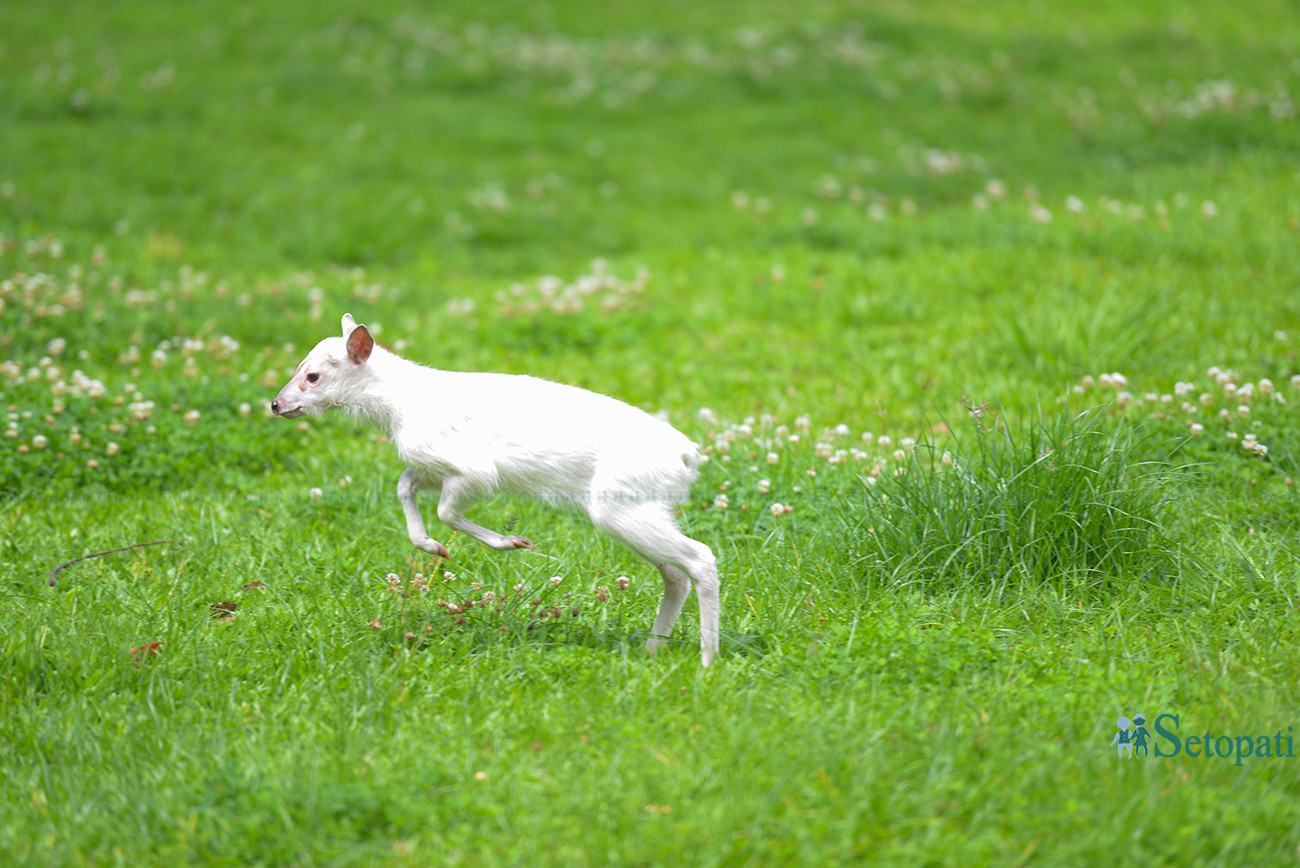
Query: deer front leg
x: 458, y: 496
x: 407, y: 488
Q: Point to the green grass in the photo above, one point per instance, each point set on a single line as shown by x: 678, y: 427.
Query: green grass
x: 1069, y: 500
x: 836, y: 227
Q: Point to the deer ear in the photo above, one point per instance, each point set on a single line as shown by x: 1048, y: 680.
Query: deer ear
x: 348, y: 324
x: 360, y: 343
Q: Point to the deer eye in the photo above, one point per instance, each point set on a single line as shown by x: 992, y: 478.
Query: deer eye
x: 311, y: 378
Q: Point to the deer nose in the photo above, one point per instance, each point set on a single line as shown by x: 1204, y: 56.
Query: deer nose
x: 275, y: 407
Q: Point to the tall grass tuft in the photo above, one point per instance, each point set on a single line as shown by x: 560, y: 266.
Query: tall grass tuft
x: 1068, y: 499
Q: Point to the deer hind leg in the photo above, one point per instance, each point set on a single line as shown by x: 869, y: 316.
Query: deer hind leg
x: 650, y: 530
x: 676, y: 586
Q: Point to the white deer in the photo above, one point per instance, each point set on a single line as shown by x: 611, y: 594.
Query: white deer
x: 471, y: 435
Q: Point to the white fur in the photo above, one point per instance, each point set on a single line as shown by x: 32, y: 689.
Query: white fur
x: 469, y: 436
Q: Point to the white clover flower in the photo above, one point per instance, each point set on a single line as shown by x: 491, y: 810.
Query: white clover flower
x: 113, y: 448
x: 1266, y: 386
x: 900, y: 456
x: 946, y: 460
x: 773, y: 457
x: 778, y: 510
x: 1074, y: 204
x: 245, y: 409
x: 192, y: 418
x: 56, y: 347
x: 884, y: 441
x: 1196, y: 428
x: 316, y: 494
x: 721, y: 502
x: 1124, y: 399
x: 764, y: 486
x: 556, y: 580
x: 39, y: 441
x: 840, y: 430
x: 1209, y: 210
x: 1243, y: 411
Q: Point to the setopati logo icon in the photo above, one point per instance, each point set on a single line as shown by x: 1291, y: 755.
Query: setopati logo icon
x: 1133, y: 740
x: 1133, y: 735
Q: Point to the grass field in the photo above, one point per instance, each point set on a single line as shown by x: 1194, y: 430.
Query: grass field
x: 985, y: 315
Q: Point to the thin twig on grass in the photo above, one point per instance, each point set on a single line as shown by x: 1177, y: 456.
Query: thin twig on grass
x: 156, y: 542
